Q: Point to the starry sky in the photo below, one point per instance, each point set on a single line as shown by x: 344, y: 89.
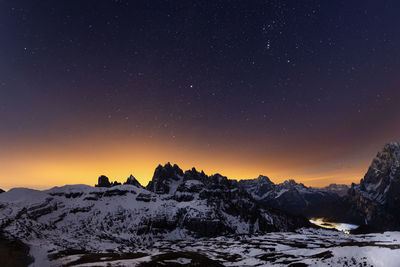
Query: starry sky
x: 307, y: 90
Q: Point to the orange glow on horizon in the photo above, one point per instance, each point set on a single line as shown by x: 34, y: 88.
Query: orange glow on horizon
x: 55, y: 163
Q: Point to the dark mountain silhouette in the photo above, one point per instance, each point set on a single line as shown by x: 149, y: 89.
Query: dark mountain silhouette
x: 372, y: 203
x: 375, y: 201
x: 132, y: 181
x: 295, y: 198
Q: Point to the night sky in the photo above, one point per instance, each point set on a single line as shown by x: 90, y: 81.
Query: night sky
x: 297, y: 89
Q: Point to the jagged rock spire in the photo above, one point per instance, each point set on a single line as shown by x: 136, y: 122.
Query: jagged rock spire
x: 165, y: 178
x: 132, y: 181
x: 103, y: 181
x: 384, y: 168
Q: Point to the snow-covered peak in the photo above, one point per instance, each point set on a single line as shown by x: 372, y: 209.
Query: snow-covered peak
x: 22, y: 195
x: 263, y: 179
x: 257, y: 187
x: 385, y: 161
x: 382, y: 174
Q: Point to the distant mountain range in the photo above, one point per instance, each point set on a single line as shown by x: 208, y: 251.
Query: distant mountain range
x: 373, y: 203
x: 183, y: 205
x: 174, y: 205
x: 295, y: 198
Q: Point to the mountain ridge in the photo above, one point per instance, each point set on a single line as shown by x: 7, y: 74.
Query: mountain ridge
x: 112, y: 216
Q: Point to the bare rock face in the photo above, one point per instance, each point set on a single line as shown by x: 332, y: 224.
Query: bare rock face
x: 376, y: 199
x: 384, y: 170
x: 227, y: 204
x: 166, y: 179
x: 132, y: 181
x: 259, y: 186
x: 103, y: 182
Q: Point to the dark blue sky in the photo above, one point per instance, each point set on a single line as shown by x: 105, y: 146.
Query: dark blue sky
x: 312, y: 79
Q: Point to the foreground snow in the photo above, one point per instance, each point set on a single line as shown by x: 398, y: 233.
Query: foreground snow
x: 308, y: 246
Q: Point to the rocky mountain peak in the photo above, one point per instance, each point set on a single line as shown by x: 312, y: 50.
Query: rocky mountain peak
x: 263, y: 180
x: 193, y: 174
x: 168, y: 171
x: 165, y: 179
x: 103, y: 181
x: 292, y: 184
x: 132, y: 181
x: 258, y: 187
x: 387, y: 159
x: 383, y: 171
x: 375, y: 200
x: 218, y: 179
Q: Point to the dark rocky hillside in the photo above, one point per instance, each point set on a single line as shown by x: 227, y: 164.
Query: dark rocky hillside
x: 373, y: 203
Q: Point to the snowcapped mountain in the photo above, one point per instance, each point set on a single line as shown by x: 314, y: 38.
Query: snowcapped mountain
x: 259, y: 187
x: 174, y: 205
x: 373, y: 203
x: 178, y: 205
x: 340, y: 189
x: 376, y: 199
x: 382, y: 175
x: 293, y: 197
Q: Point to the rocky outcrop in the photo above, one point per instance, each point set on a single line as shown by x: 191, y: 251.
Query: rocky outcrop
x: 258, y: 187
x: 375, y: 201
x: 104, y: 182
x: 166, y: 179
x: 132, y: 181
x: 234, y: 210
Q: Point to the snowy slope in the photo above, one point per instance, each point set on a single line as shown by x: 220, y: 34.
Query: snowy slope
x: 97, y: 219
x: 305, y: 247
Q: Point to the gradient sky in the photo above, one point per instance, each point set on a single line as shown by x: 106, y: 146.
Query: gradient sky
x: 298, y: 89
